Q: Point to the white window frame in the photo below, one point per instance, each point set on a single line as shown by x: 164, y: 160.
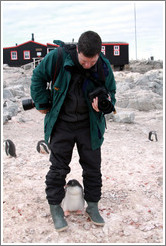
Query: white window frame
x: 116, y: 53
x: 116, y: 50
x: 27, y: 55
x: 13, y: 55
x: 103, y: 49
x: 116, y: 47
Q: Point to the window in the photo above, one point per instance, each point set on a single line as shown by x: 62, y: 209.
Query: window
x: 116, y: 47
x: 13, y: 55
x: 39, y: 54
x: 26, y: 54
x: 103, y: 49
x: 116, y: 50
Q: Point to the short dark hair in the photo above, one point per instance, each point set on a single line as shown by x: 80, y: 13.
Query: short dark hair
x: 89, y: 44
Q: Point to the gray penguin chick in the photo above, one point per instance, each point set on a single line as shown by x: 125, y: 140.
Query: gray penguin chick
x: 74, y: 198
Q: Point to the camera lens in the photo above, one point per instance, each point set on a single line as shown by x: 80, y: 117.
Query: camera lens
x: 103, y: 104
x: 28, y: 104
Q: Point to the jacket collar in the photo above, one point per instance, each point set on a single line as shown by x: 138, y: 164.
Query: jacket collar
x: 69, y: 62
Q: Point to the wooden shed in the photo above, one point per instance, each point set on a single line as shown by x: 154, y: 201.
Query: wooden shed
x: 117, y: 53
x: 23, y: 53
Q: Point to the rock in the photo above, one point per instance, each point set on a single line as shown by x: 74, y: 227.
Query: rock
x: 152, y: 80
x: 10, y: 109
x: 140, y: 91
x: 7, y: 93
x: 124, y: 117
x: 28, y: 66
x: 17, y: 90
x: 149, y: 101
x: 5, y: 66
x: 142, y: 66
x: 16, y: 87
x: 6, y: 117
x: 127, y: 77
x: 136, y: 90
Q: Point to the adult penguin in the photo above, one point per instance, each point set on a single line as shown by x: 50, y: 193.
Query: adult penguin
x: 10, y: 148
x: 42, y: 147
x: 153, y: 136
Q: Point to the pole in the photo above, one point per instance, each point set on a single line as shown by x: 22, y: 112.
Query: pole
x: 135, y: 32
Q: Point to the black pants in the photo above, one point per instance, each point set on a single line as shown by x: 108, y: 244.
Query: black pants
x: 63, y: 139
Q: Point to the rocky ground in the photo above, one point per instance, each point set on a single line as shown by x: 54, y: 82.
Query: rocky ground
x: 132, y: 192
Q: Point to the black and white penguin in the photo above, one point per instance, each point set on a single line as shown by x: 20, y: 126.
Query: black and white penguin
x: 153, y: 136
x: 5, y: 104
x: 42, y: 147
x: 10, y: 148
x: 74, y: 198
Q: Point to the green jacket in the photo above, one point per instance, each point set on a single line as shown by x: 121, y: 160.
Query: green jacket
x: 42, y: 74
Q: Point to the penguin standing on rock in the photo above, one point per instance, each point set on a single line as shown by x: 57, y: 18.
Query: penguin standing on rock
x: 74, y: 198
x: 42, y: 147
x: 10, y: 148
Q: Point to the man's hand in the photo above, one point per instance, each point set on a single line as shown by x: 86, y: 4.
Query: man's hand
x: 44, y: 111
x: 95, y: 104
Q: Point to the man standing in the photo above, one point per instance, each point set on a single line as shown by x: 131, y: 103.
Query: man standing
x: 74, y: 119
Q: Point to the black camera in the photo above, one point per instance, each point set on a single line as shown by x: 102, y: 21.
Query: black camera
x: 104, y: 102
x: 28, y: 104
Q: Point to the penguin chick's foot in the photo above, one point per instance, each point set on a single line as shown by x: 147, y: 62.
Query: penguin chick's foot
x: 66, y: 213
x: 79, y: 212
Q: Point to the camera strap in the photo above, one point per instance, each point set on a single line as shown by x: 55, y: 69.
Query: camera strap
x: 87, y: 73
x: 56, y: 67
x: 96, y: 81
x: 59, y: 60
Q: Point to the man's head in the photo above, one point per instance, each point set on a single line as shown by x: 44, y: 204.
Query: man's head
x: 89, y: 48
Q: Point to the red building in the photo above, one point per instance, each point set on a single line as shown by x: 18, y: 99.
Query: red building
x: 116, y: 52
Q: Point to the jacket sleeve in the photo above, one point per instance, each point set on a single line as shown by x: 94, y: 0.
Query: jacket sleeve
x: 42, y: 74
x: 110, y: 83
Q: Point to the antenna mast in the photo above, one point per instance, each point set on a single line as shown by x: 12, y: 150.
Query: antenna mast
x: 135, y: 31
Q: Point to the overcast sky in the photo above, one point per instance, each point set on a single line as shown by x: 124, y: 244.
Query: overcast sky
x: 65, y: 20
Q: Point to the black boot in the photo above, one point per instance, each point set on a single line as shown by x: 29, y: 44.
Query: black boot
x: 58, y: 217
x: 93, y: 212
